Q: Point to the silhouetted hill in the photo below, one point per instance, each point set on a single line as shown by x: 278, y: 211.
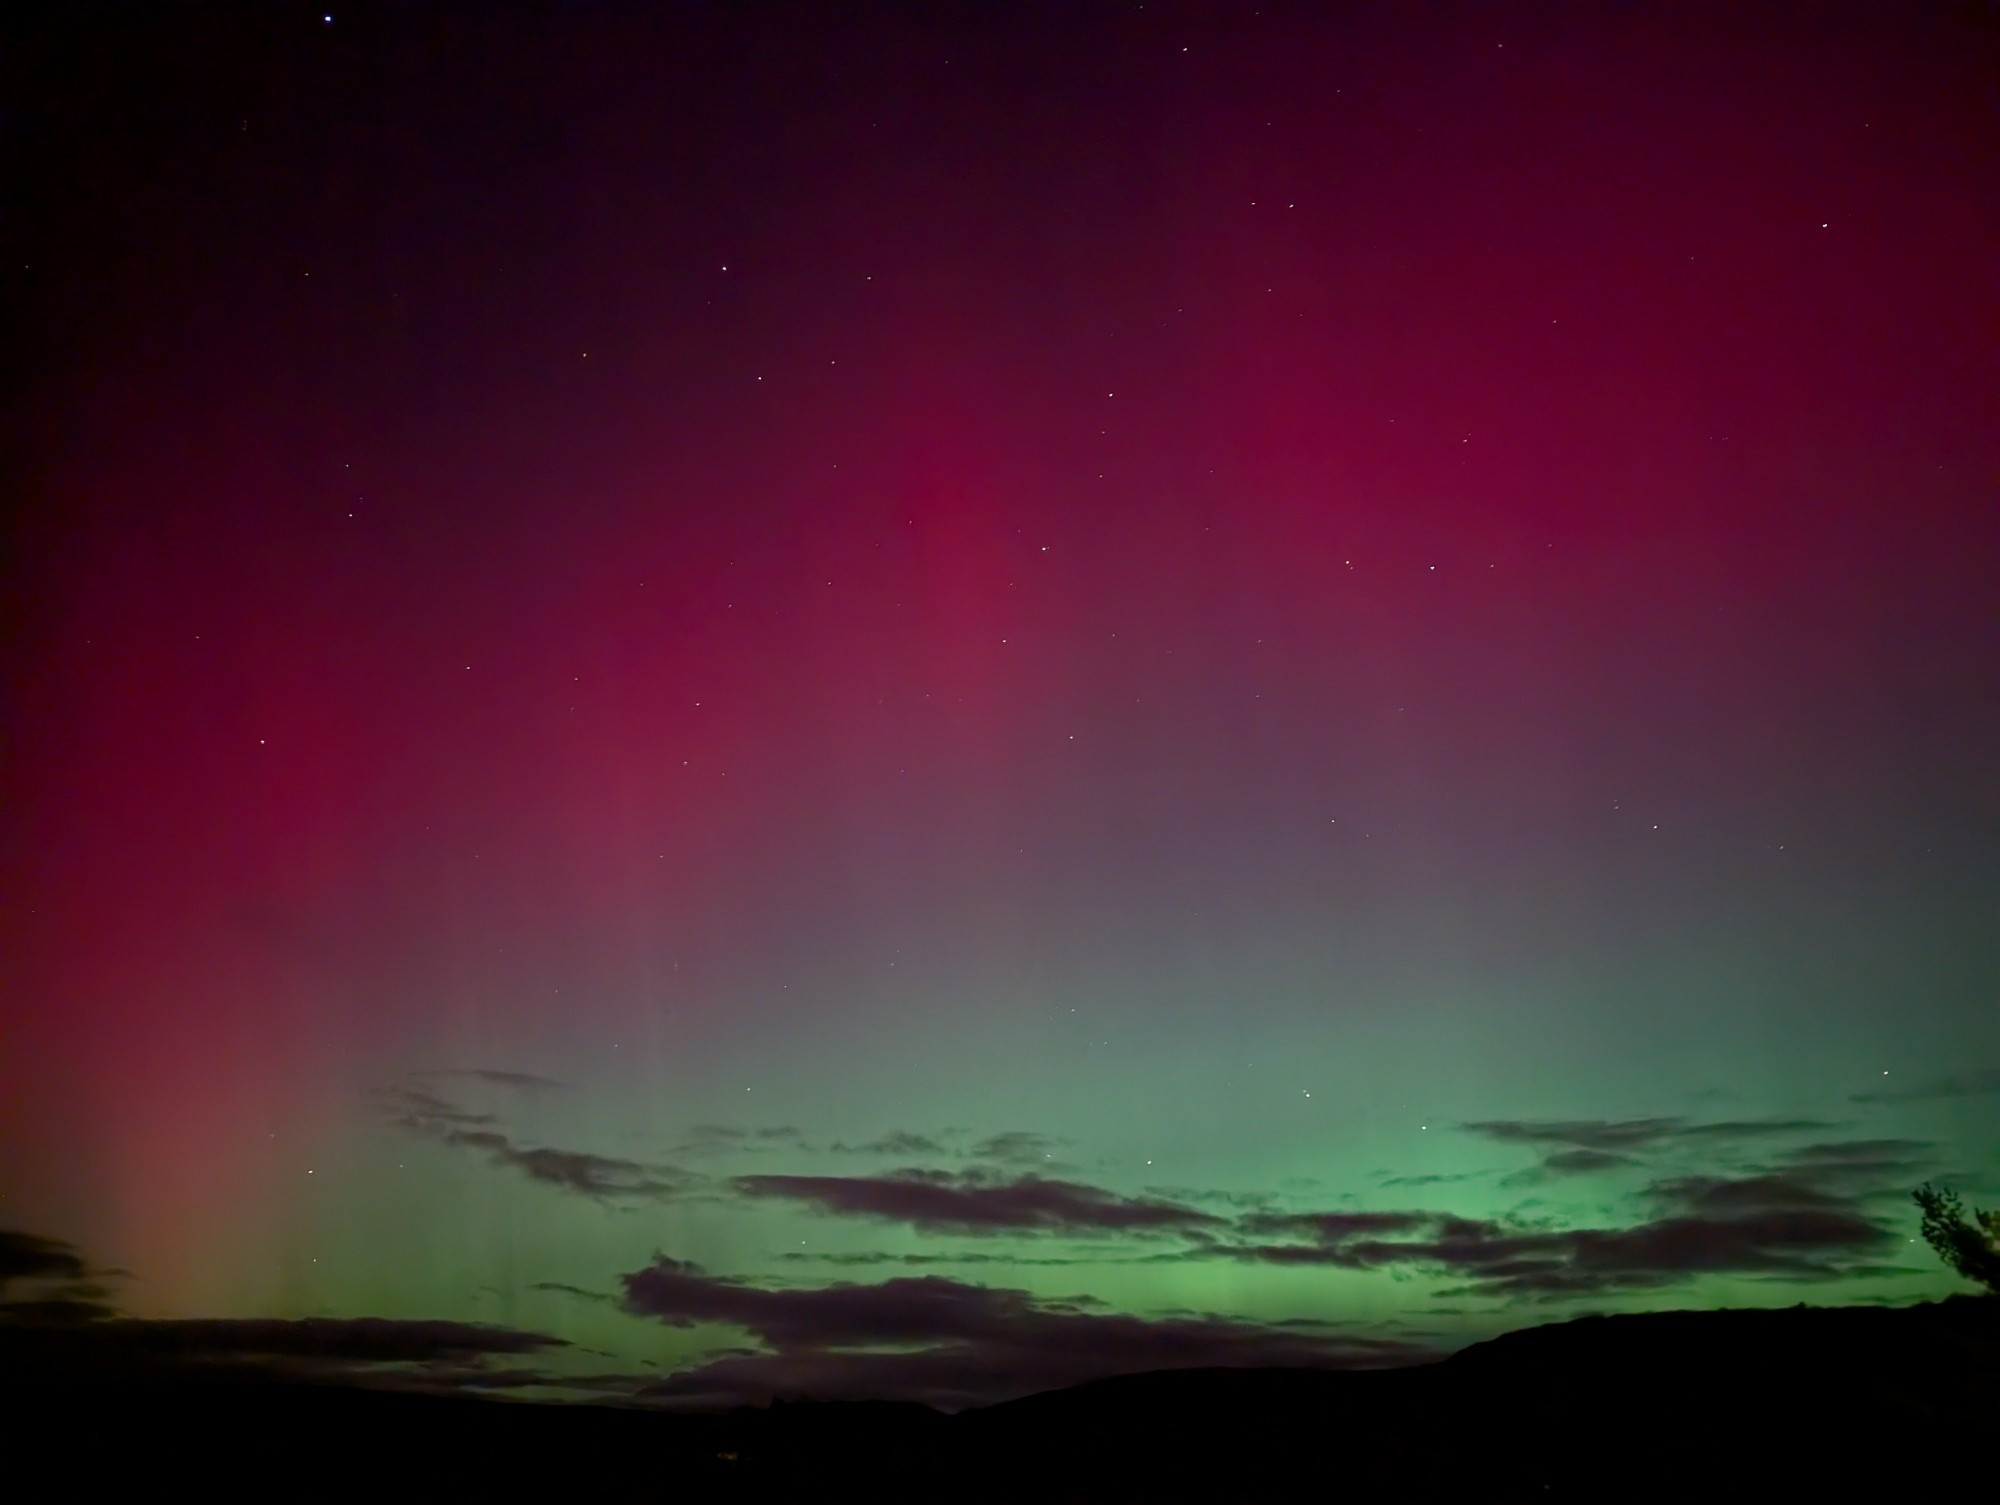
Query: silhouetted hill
x: 1669, y: 1405
x: 1681, y: 1405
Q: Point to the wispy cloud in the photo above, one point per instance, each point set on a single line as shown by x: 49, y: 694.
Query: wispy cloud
x: 1585, y: 1146
x: 29, y: 1256
x: 65, y: 1328
x: 1623, y: 1135
x: 1017, y: 1147
x: 1981, y: 1082
x: 951, y: 1344
x: 369, y: 1351
x: 1861, y: 1167
x: 363, y: 1340
x: 899, y: 1142
x: 520, y: 1081
x: 1701, y: 1225
x: 1333, y: 1227
x: 975, y: 1202
x: 726, y: 1139
x: 47, y: 1281
x: 423, y: 1112
x: 865, y: 1259
x: 582, y: 1293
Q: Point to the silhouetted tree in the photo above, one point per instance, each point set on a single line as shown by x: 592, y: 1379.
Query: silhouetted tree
x: 1971, y: 1246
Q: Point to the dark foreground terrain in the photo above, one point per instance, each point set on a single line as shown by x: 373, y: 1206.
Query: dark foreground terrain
x: 1837, y: 1403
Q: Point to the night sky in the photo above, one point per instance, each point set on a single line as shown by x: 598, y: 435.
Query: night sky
x: 923, y: 701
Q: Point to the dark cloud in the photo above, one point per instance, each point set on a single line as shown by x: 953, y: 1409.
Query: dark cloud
x: 1715, y: 1196
x: 951, y: 1344
x: 1880, y: 1151
x: 1861, y: 1167
x: 973, y: 1202
x: 1759, y: 1225
x: 908, y: 1310
x: 70, y: 1332
x: 523, y: 1081
x: 364, y: 1340
x: 45, y: 1281
x: 1619, y: 1135
x: 861, y: 1259
x: 365, y: 1351
x: 582, y: 1293
x: 1017, y: 1147
x: 601, y: 1176
x: 29, y: 1256
x: 1332, y: 1227
x: 571, y: 1170
x: 1568, y: 1162
x: 1576, y: 1162
x: 413, y: 1107
x: 1752, y: 1128
x: 1581, y: 1146
x: 64, y: 1309
x: 896, y: 1142
x: 1608, y: 1135
x: 1242, y: 1201
x: 1975, y: 1083
x: 716, y: 1139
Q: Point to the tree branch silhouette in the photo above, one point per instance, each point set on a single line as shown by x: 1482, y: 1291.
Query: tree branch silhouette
x: 1970, y: 1246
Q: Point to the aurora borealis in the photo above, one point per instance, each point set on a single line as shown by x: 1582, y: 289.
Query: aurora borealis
x: 927, y: 700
